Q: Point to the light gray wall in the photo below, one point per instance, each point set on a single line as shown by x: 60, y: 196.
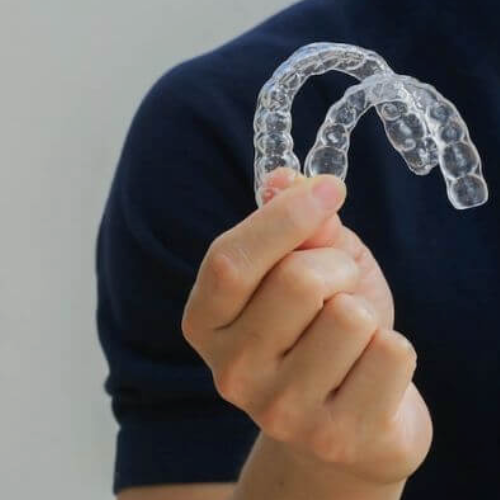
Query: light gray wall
x: 71, y: 77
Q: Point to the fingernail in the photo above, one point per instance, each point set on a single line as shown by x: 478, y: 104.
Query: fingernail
x: 267, y: 194
x: 328, y: 193
x: 281, y: 178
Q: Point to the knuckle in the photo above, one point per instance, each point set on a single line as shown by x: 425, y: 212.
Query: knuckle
x: 346, y: 268
x: 354, y: 313
x: 294, y: 276
x: 345, y: 259
x: 360, y: 251
x: 363, y: 253
x: 349, y: 240
x: 227, y: 265
x: 332, y: 446
x: 231, y: 382
x: 193, y: 330
x: 395, y: 345
x: 188, y: 326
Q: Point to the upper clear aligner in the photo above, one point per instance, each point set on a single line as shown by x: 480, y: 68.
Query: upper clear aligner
x: 424, y: 127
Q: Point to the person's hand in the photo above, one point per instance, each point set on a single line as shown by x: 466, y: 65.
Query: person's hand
x: 372, y: 284
x: 294, y: 317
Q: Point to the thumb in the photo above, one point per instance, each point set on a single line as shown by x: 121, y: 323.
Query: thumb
x: 283, y: 178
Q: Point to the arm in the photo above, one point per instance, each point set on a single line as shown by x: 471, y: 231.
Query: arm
x: 180, y: 492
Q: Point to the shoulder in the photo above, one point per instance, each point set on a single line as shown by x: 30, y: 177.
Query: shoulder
x: 196, y: 121
x: 235, y: 71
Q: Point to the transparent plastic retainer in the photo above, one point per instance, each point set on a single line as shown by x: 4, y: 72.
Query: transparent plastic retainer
x: 424, y: 127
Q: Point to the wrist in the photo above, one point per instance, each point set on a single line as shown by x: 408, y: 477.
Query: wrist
x: 274, y: 471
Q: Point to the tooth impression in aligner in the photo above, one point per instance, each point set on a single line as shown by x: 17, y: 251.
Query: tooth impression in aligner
x: 425, y: 128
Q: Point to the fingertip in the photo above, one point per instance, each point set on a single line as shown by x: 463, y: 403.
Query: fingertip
x: 334, y: 188
x: 342, y: 189
x: 330, y: 191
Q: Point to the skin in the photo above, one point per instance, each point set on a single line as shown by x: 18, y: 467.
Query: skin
x: 293, y: 315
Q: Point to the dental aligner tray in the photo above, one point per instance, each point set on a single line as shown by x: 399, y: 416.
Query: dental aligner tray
x: 422, y: 125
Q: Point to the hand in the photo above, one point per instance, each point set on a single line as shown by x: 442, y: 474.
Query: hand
x: 301, y: 337
x: 372, y: 284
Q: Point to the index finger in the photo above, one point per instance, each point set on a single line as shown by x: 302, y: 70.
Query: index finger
x: 239, y: 259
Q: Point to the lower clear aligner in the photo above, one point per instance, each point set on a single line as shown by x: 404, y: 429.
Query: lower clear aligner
x: 425, y: 128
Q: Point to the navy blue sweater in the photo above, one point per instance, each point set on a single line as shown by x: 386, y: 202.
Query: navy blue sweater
x: 186, y: 175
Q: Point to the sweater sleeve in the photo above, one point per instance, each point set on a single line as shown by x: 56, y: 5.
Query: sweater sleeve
x: 179, y: 183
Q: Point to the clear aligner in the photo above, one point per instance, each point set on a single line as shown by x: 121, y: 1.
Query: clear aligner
x: 423, y: 126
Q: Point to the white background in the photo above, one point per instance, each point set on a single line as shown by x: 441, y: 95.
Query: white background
x: 71, y: 77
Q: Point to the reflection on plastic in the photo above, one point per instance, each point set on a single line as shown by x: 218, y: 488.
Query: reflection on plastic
x: 424, y: 127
